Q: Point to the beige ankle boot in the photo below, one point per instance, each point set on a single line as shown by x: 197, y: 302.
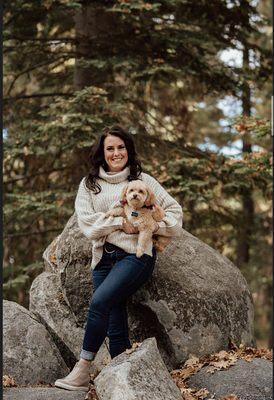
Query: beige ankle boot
x: 77, y: 379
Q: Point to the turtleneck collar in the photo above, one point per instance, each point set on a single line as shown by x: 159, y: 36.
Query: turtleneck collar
x: 114, y: 178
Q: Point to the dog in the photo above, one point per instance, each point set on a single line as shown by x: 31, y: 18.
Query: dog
x: 137, y: 204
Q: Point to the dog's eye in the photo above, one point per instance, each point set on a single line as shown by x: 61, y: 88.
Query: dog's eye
x: 131, y: 190
x: 141, y: 191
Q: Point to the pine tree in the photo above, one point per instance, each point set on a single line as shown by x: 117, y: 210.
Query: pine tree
x: 72, y: 67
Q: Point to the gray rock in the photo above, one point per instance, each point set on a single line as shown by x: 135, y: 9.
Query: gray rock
x: 50, y: 305
x: 247, y: 380
x: 30, y: 355
x: 41, y: 393
x: 141, y: 375
x: 195, y: 303
x: 69, y: 255
x: 47, y: 300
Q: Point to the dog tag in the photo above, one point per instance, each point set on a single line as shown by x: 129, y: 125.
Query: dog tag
x: 134, y: 214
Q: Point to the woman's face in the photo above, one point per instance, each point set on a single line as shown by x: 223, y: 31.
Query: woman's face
x: 115, y: 153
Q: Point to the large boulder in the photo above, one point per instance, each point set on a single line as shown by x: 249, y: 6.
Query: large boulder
x: 70, y: 255
x: 49, y: 303
x: 250, y: 380
x: 60, y: 296
x: 196, y: 302
x: 41, y: 393
x: 139, y: 375
x: 30, y: 355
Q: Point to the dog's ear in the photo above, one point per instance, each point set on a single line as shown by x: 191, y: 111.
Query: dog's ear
x: 150, y: 200
x: 124, y: 194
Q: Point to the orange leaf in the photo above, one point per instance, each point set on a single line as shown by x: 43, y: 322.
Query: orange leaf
x: 8, y: 381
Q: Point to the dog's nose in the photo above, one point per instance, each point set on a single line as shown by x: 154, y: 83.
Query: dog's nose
x: 135, y: 196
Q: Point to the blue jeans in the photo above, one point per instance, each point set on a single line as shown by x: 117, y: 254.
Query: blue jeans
x: 115, y: 278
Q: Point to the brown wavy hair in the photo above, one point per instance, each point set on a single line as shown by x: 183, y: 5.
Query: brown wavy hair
x: 97, y: 158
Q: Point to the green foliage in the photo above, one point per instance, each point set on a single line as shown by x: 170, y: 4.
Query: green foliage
x: 154, y: 67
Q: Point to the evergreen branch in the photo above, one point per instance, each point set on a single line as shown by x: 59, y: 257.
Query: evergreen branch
x: 48, y: 62
x: 64, y: 39
x: 37, y: 174
x: 36, y: 95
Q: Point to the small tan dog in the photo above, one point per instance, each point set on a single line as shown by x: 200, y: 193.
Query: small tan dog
x: 138, y: 206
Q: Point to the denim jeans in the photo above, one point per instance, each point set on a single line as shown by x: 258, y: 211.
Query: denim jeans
x: 115, y: 278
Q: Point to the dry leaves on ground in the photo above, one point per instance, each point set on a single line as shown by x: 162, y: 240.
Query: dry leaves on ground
x: 215, y: 362
x: 133, y: 348
x: 248, y: 353
x: 91, y: 394
x: 221, y: 360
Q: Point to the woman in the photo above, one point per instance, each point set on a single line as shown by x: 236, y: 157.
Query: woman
x: 117, y: 272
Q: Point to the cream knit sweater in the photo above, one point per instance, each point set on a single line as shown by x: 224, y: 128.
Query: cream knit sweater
x: 91, y: 208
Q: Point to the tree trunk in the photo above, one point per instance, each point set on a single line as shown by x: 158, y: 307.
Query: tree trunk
x: 246, y: 226
x: 93, y: 25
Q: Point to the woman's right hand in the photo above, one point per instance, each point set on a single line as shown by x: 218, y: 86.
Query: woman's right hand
x: 127, y: 227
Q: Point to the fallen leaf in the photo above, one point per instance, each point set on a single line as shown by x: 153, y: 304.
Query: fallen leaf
x: 221, y: 354
x: 8, y: 381
x: 53, y: 258
x: 133, y: 348
x: 202, y: 393
x: 192, y: 361
x: 91, y: 394
x: 186, y: 394
x: 218, y: 365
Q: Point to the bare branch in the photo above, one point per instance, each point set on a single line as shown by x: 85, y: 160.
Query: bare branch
x: 41, y: 39
x: 31, y: 69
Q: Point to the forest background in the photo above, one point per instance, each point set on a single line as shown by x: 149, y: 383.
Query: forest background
x: 190, y: 80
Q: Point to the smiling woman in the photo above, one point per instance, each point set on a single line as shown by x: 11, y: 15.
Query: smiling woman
x: 117, y: 271
x: 115, y: 153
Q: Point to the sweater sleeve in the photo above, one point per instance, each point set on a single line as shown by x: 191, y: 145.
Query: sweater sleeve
x: 93, y: 224
x: 172, y: 222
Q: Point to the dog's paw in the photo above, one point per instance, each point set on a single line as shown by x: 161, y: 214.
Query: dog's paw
x: 139, y: 252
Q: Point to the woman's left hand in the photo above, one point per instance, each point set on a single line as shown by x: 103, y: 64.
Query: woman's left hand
x: 127, y: 227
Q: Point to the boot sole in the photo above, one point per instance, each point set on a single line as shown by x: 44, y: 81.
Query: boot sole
x: 69, y: 387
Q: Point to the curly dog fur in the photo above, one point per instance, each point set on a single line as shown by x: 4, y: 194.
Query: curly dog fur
x: 138, y: 206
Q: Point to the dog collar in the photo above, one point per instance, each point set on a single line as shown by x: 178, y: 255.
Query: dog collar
x: 135, y: 213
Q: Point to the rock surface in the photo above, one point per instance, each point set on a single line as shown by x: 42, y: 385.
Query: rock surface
x: 48, y: 301
x: 30, y: 355
x: 248, y: 380
x: 196, y: 302
x: 41, y: 393
x: 139, y: 375
x: 69, y: 255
